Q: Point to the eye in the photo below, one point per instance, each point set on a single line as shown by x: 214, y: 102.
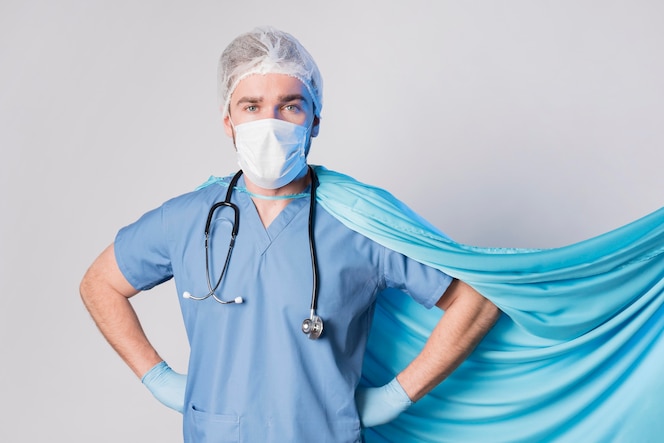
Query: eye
x: 251, y: 108
x: 291, y: 108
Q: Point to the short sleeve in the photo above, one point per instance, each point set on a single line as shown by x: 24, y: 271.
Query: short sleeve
x: 142, y: 253
x: 423, y: 283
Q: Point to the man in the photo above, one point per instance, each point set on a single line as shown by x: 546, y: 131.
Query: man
x: 252, y: 372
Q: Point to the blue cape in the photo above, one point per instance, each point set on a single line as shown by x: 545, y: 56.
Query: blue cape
x: 575, y: 357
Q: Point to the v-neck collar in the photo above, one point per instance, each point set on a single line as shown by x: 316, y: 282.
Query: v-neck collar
x: 249, y: 217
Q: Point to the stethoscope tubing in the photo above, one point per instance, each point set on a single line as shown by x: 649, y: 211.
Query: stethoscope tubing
x: 312, y: 326
x: 312, y: 242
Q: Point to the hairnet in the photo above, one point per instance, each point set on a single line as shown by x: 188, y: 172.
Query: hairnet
x: 267, y: 51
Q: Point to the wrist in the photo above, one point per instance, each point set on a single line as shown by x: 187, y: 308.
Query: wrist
x: 408, y: 388
x: 398, y: 393
x: 144, y: 362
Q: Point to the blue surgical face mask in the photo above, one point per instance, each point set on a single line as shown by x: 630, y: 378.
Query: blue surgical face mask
x: 271, y: 152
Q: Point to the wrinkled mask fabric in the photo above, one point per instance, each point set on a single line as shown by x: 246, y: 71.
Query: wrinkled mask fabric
x: 271, y: 152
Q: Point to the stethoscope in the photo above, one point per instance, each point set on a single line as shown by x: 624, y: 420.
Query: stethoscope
x: 312, y: 326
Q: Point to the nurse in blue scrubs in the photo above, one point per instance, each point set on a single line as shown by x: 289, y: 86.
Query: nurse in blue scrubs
x: 253, y: 374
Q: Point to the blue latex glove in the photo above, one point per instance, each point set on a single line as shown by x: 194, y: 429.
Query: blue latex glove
x: 381, y: 405
x: 166, y: 385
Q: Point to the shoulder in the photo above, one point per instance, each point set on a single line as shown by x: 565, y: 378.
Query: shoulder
x: 205, y: 194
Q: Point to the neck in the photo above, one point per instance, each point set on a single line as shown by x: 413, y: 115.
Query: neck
x: 269, y: 209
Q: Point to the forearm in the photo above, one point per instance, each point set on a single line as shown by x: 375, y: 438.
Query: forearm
x: 106, y: 294
x: 468, y: 317
x: 118, y: 323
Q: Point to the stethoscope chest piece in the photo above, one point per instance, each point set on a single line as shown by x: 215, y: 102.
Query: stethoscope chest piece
x: 313, y: 327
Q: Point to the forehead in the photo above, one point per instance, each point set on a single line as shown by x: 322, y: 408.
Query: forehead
x: 270, y: 87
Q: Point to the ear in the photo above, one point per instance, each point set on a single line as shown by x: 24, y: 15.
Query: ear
x: 228, y: 128
x: 315, y: 127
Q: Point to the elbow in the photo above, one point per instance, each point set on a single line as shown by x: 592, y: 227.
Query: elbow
x: 85, y: 288
x: 489, y: 311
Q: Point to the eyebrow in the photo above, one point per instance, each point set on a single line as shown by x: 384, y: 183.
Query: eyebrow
x: 246, y: 99
x: 282, y: 99
x: 292, y: 97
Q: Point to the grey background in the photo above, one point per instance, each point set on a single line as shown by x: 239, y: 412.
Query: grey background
x: 512, y: 123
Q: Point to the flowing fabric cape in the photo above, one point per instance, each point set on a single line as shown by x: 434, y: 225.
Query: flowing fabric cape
x: 577, y: 356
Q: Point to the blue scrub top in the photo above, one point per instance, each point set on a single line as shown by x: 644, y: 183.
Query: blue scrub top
x: 253, y: 375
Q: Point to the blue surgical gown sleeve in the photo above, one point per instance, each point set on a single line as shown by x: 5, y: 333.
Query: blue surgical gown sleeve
x: 423, y: 284
x: 142, y: 251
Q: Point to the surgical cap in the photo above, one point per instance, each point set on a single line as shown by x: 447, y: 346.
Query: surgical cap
x: 267, y: 51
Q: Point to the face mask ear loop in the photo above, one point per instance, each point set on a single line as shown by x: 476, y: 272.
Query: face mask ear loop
x: 307, y: 143
x: 230, y: 120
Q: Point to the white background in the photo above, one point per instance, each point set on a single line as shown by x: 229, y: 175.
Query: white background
x: 512, y: 123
